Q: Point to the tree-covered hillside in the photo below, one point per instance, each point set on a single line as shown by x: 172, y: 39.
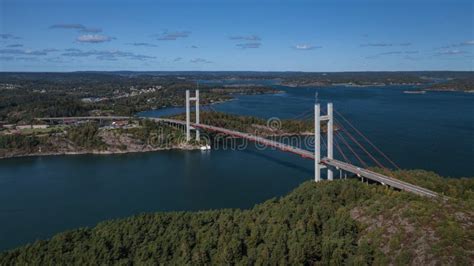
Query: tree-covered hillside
x: 254, y: 125
x: 339, y: 222
x: 24, y: 96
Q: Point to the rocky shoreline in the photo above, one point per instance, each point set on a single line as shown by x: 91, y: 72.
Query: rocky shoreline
x: 318, y: 84
x: 186, y: 147
x: 448, y: 90
x: 114, y: 150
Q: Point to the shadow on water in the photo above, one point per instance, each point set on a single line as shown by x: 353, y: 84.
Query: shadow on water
x: 279, y: 161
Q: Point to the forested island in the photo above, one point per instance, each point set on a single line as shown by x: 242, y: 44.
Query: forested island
x: 25, y: 96
x: 131, y: 135
x: 255, y: 125
x: 91, y: 138
x: 462, y: 84
x: 429, y: 80
x: 330, y: 223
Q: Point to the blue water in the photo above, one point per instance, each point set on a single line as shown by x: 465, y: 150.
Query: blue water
x: 432, y: 131
x: 40, y: 196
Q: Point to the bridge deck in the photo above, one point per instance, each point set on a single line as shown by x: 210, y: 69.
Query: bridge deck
x: 85, y: 118
x: 386, y: 180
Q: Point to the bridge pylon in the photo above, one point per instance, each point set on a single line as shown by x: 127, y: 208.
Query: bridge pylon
x: 188, y: 114
x: 318, y: 118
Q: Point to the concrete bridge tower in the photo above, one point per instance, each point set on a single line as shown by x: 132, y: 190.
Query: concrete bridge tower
x: 318, y: 118
x: 188, y: 114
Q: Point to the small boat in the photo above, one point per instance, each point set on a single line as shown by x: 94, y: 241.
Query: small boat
x: 414, y: 92
x: 205, y: 148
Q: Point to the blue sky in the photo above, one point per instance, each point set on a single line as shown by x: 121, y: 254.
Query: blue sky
x: 317, y: 35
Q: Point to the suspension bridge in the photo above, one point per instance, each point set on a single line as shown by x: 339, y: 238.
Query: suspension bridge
x: 320, y: 163
x: 325, y: 162
x: 328, y: 163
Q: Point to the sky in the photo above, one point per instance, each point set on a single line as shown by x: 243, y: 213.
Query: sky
x: 228, y: 35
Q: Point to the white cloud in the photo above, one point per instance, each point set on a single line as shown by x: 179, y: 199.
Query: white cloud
x: 390, y: 53
x: 27, y: 51
x: 249, y: 45
x: 8, y: 36
x: 245, y: 37
x: 14, y: 45
x: 200, y: 61
x: 93, y: 38
x: 109, y: 55
x: 385, y: 44
x: 378, y: 44
x: 78, y: 27
x: 306, y: 47
x: 173, y: 36
x: 144, y: 44
x: 451, y: 52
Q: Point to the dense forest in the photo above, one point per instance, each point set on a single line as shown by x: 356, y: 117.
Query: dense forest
x: 254, y: 125
x: 326, y: 223
x: 459, y: 84
x: 355, y: 77
x: 24, y: 96
x: 26, y: 143
x: 90, y: 137
x: 139, y: 135
x: 376, y: 78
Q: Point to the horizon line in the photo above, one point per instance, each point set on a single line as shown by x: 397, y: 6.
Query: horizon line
x: 241, y: 71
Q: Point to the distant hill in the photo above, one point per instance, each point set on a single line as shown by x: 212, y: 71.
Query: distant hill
x: 248, y: 74
x: 318, y: 223
x: 455, y: 80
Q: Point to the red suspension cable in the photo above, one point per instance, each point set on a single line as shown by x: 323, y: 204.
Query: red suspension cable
x: 341, y: 152
x: 360, y: 146
x: 350, y: 148
x: 212, y: 109
x: 324, y: 143
x: 366, y: 139
x: 337, y: 146
x: 303, y: 114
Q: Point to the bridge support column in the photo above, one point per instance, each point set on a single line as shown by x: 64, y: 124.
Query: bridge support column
x: 330, y: 130
x: 317, y: 143
x: 188, y: 118
x: 197, y: 114
x: 188, y: 114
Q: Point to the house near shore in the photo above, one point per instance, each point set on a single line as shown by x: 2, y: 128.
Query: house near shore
x: 8, y: 126
x: 31, y: 127
x: 120, y: 123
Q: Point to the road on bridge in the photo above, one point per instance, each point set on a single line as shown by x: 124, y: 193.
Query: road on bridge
x: 361, y: 172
